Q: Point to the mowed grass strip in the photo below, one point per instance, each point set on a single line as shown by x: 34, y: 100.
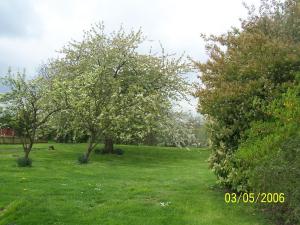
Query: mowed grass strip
x: 145, y: 186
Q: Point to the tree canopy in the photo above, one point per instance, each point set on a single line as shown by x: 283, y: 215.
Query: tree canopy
x: 112, y: 90
x: 29, y: 104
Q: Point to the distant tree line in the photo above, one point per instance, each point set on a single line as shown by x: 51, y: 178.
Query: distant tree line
x: 188, y: 130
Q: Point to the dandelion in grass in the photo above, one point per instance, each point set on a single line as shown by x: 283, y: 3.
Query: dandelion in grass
x: 165, y: 204
x: 98, y: 187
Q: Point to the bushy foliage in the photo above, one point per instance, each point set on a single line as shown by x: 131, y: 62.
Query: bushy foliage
x: 51, y: 148
x: 118, y: 151
x: 24, y: 162
x: 251, y: 98
x: 271, y: 155
x: 247, y: 69
x: 83, y: 159
x: 98, y: 150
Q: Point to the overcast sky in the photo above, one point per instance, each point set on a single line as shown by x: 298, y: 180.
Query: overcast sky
x: 31, y: 31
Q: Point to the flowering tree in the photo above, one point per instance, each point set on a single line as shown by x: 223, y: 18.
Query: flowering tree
x: 113, y: 91
x: 30, y: 106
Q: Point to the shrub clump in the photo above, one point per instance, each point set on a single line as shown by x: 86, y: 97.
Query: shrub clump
x: 102, y: 151
x: 83, y: 159
x: 118, y: 151
x: 24, y: 162
x: 98, y: 150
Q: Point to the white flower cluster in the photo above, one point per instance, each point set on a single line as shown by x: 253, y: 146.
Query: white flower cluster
x: 164, y: 204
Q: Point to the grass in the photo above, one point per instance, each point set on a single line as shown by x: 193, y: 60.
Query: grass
x: 145, y: 186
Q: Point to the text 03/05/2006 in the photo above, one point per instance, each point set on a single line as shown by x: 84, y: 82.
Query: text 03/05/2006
x: 254, y: 197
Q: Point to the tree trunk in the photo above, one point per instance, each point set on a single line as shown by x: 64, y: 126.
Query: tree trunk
x: 27, y: 150
x: 90, y: 146
x: 108, y: 145
x: 88, y: 151
x: 26, y: 153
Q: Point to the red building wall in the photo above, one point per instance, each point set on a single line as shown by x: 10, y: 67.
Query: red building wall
x: 7, y: 132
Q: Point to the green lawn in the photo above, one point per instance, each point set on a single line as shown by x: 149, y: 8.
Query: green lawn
x: 146, y: 185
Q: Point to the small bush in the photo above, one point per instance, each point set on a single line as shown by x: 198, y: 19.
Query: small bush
x: 82, y: 159
x: 24, y: 162
x: 98, y: 150
x: 103, y: 151
x: 118, y: 151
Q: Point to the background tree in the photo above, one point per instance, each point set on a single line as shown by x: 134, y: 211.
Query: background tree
x: 6, y: 119
x: 182, y: 129
x: 113, y: 91
x: 30, y: 103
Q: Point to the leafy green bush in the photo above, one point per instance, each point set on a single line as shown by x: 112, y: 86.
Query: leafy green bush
x: 271, y: 156
x: 24, y: 162
x: 118, y: 151
x: 83, y: 159
x: 251, y: 97
x: 247, y: 69
x: 104, y: 151
x: 98, y: 150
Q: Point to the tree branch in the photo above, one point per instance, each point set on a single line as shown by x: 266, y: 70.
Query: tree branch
x: 44, y: 120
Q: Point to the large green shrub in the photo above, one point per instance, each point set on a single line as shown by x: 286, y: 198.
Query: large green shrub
x: 250, y: 94
x: 271, y: 156
x: 247, y: 69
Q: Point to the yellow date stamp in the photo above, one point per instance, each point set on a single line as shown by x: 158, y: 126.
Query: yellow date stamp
x: 254, y: 197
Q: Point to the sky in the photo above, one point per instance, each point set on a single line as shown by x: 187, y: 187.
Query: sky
x: 32, y: 31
